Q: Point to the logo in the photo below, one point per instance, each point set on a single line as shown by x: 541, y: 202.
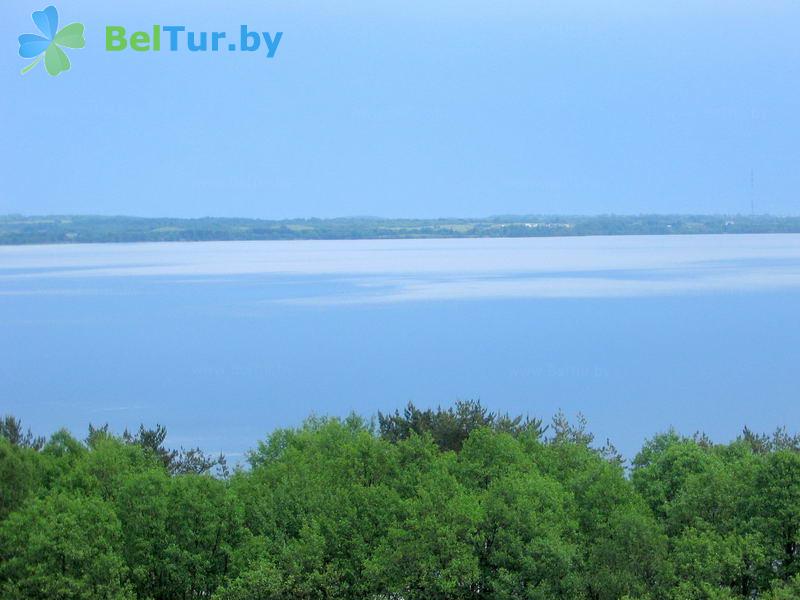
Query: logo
x: 48, y: 45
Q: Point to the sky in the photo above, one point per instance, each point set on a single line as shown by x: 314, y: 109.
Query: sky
x: 411, y: 108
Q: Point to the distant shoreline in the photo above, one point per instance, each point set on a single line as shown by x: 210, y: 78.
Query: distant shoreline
x: 85, y: 229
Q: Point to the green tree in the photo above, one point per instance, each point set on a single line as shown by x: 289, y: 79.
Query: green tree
x: 778, y: 510
x: 20, y: 475
x: 430, y: 554
x: 11, y: 429
x: 62, y: 547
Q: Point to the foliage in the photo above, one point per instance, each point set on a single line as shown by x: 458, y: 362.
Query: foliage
x: 456, y: 503
x: 11, y: 430
x: 18, y: 229
x: 450, y: 427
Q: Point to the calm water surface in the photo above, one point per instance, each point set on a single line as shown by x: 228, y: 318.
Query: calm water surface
x: 224, y: 341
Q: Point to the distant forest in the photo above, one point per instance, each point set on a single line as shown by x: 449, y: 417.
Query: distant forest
x: 17, y: 229
x: 451, y: 504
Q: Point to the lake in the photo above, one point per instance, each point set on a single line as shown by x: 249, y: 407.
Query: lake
x: 224, y: 341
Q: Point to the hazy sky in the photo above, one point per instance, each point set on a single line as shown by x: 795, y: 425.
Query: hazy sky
x: 411, y: 108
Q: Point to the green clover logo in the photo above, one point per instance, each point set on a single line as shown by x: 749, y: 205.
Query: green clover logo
x: 35, y: 46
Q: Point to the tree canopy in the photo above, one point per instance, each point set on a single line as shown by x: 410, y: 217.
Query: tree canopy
x: 456, y: 503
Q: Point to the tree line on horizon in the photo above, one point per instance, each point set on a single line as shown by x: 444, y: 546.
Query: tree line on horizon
x: 456, y: 503
x: 70, y: 229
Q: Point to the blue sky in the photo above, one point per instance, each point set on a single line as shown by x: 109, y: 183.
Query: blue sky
x: 411, y: 108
